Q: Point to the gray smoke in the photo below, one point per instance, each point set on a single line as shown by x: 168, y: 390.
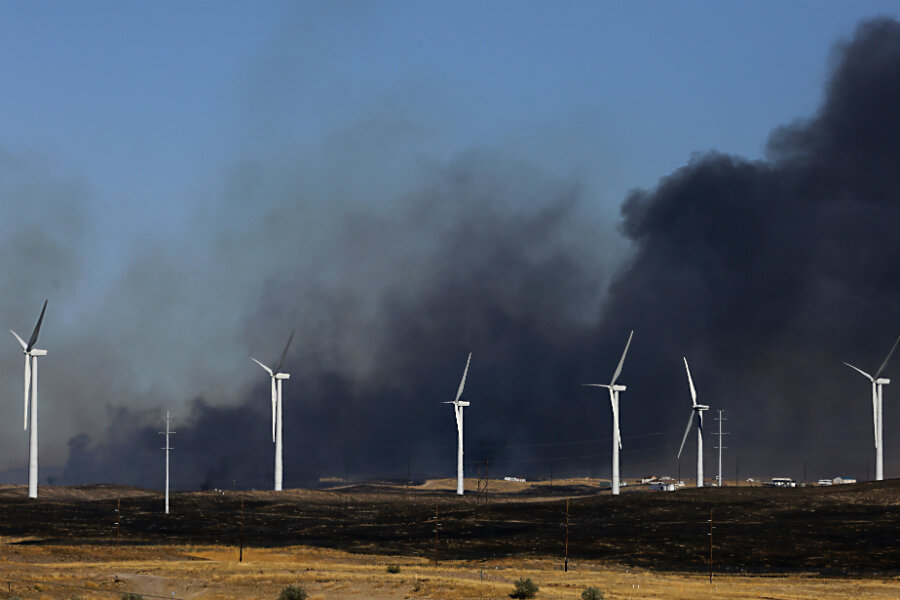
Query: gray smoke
x: 765, y: 274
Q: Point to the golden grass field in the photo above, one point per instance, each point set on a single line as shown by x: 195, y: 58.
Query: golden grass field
x: 67, y: 572
x: 70, y: 549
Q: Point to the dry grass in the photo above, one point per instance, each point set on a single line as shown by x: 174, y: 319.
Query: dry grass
x: 213, y: 572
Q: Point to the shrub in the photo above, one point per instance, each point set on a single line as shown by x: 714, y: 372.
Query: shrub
x: 393, y: 569
x: 523, y: 588
x: 418, y: 585
x: 132, y: 596
x: 292, y: 592
x: 592, y: 593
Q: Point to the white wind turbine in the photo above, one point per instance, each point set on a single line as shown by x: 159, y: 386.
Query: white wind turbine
x: 614, y: 390
x: 277, y: 377
x: 458, y: 406
x: 31, y: 380
x: 877, y: 383
x: 696, y: 413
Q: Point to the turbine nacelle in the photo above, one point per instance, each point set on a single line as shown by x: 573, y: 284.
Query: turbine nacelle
x: 282, y: 376
x: 35, y: 352
x: 699, y: 407
x: 882, y: 381
x: 614, y: 388
x: 462, y: 403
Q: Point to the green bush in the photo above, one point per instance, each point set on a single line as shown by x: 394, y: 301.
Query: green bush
x: 393, y: 569
x: 132, y: 596
x: 523, y: 588
x: 292, y: 592
x: 592, y: 593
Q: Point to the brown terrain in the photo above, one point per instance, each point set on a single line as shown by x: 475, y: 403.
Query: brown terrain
x: 845, y: 534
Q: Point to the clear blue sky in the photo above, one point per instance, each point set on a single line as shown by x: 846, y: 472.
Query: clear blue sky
x: 149, y: 101
x: 145, y: 116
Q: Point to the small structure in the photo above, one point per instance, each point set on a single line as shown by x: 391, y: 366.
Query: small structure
x: 781, y: 482
x: 843, y: 480
x: 662, y: 486
x: 825, y: 482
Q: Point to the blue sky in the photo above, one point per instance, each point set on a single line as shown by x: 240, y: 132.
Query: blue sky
x: 150, y: 101
x: 164, y: 126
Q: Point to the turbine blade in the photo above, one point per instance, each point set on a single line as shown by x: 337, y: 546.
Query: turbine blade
x: 603, y: 385
x: 700, y: 420
x: 274, y: 403
x: 27, y: 388
x: 21, y: 341
x: 884, y: 364
x: 621, y: 360
x: 866, y: 375
x: 462, y: 382
x: 691, y: 383
x: 37, y: 328
x: 283, y: 354
x: 687, y: 430
x: 268, y: 370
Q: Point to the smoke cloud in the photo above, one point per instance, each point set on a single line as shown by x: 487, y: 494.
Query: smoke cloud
x: 765, y: 274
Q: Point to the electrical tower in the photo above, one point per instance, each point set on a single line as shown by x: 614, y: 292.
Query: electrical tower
x: 483, y: 479
x: 720, y: 419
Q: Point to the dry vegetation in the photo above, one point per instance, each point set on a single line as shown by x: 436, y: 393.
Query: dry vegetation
x: 213, y: 572
x: 338, y: 543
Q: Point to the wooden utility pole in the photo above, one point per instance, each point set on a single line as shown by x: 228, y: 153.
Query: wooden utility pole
x: 436, y: 534
x: 241, y: 553
x: 710, y: 545
x: 566, y: 567
x: 118, y: 519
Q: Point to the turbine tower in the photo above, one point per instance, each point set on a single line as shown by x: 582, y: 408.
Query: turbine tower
x: 277, y: 377
x: 696, y: 413
x: 31, y: 380
x: 878, y: 383
x: 458, y: 406
x: 614, y: 390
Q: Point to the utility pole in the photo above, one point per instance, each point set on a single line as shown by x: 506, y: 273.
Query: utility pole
x: 566, y: 568
x: 241, y: 553
x: 167, y: 433
x: 710, y: 544
x: 720, y: 419
x: 436, y: 534
x: 118, y: 519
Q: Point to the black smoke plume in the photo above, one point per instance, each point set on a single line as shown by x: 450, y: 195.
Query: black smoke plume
x: 765, y: 274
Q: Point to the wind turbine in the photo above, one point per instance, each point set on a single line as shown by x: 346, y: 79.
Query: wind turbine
x: 31, y: 380
x: 458, y: 406
x: 696, y: 412
x: 877, y: 383
x: 614, y: 390
x: 277, y: 377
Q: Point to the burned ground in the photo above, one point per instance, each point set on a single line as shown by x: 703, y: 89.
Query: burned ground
x: 843, y: 529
